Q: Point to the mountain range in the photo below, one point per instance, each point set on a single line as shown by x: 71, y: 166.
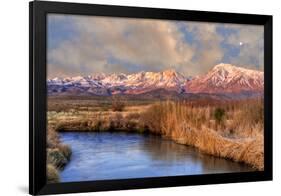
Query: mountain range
x: 222, y: 79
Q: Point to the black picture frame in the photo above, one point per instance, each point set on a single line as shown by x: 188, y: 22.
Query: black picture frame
x: 37, y: 97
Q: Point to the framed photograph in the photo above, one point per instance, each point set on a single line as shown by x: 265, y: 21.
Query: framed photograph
x: 131, y: 97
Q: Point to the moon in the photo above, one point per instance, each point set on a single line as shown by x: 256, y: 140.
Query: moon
x: 241, y: 43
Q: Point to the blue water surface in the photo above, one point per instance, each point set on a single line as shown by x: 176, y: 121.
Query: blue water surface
x: 115, y: 155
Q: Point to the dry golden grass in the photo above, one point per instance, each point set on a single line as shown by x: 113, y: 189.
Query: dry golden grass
x: 52, y: 174
x: 237, y: 134
x: 58, y: 154
x: 249, y: 150
x: 195, y: 126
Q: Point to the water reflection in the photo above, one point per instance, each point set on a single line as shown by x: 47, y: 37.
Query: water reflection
x: 99, y: 156
x: 172, y: 152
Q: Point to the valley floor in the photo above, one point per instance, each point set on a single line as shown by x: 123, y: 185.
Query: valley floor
x: 232, y: 130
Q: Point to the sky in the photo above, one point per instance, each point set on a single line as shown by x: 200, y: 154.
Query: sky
x: 88, y: 45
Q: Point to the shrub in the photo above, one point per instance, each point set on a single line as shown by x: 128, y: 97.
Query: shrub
x: 117, y: 104
x: 52, y: 138
x: 65, y: 150
x: 151, y: 118
x: 56, y: 158
x: 52, y: 174
x: 219, y: 115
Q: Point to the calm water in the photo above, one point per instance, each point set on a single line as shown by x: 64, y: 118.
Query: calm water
x: 99, y: 156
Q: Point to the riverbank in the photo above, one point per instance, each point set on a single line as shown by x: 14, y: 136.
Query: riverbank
x: 234, y: 131
x: 124, y: 155
x: 58, y: 155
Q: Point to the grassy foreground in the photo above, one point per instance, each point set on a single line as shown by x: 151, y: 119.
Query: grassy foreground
x: 232, y: 129
x: 58, y: 155
x: 237, y: 134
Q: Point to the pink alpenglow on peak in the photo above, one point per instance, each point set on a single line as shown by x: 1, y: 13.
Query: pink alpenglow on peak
x: 221, y: 79
x: 227, y: 78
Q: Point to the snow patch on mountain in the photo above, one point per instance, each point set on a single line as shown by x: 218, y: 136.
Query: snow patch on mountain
x: 227, y: 78
x: 222, y: 78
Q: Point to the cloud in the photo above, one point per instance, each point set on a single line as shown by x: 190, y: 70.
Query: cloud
x: 151, y: 44
x: 106, y: 44
x: 206, y: 44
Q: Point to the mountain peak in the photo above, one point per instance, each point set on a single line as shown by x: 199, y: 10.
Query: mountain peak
x: 227, y: 78
x: 221, y: 79
x: 223, y: 66
x: 229, y: 68
x: 169, y: 71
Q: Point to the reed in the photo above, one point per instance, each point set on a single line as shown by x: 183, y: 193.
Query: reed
x: 228, y: 129
x: 197, y: 126
x: 52, y: 174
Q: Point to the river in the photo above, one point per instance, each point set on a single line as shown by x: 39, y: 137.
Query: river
x: 115, y: 155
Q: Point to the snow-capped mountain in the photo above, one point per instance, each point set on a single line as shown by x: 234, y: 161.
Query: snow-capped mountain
x: 145, y: 81
x: 118, y: 83
x: 227, y: 78
x: 222, y: 79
